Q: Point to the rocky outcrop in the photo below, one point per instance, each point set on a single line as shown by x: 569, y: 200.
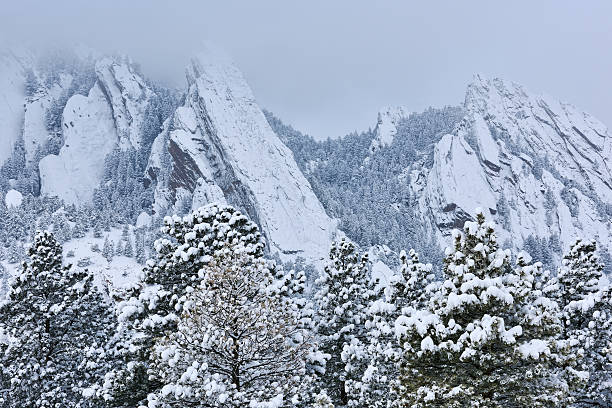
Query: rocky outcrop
x: 111, y: 115
x: 219, y: 146
x: 386, y: 126
x: 89, y: 136
x: 536, y: 165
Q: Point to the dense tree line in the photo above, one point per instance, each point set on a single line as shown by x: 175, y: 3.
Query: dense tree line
x: 214, y: 323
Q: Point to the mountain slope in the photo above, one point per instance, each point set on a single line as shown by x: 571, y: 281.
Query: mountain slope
x: 540, y: 168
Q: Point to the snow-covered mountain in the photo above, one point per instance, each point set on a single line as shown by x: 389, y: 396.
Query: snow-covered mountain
x: 539, y: 166
x: 216, y: 146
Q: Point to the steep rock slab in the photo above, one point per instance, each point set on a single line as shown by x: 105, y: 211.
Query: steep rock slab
x: 89, y: 136
x: 112, y: 114
x: 128, y: 96
x: 219, y: 142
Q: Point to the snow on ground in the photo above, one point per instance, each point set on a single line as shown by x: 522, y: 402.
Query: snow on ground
x: 13, y: 199
x: 121, y: 271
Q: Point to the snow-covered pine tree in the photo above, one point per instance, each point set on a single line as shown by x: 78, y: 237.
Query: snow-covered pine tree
x: 580, y: 272
x: 61, y: 228
x: 151, y: 309
x: 341, y: 300
x: 487, y: 337
x: 141, y: 255
x: 80, y: 227
x: 292, y: 286
x: 409, y: 287
x: 587, y: 322
x: 237, y: 343
x: 55, y: 326
x: 14, y: 252
x: 128, y: 250
x: 322, y: 400
x: 97, y: 229
x: 125, y: 233
x: 119, y: 248
x: 108, y: 249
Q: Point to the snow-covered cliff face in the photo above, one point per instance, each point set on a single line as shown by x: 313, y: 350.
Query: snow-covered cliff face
x: 110, y: 115
x: 386, y: 126
x: 537, y: 165
x: 89, y: 136
x: 219, y: 146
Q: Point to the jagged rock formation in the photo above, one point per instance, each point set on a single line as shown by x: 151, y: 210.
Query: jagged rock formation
x: 537, y: 165
x: 219, y: 146
x: 93, y: 125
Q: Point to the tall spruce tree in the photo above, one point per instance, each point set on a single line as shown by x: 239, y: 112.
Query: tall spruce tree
x: 487, y: 337
x: 342, y: 298
x: 55, y: 326
x: 587, y: 323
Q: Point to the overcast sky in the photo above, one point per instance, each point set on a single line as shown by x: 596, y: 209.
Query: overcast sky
x: 327, y: 67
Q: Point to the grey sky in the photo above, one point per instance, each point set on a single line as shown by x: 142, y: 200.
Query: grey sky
x: 328, y: 66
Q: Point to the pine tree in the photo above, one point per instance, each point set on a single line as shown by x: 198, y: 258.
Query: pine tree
x: 409, y: 287
x: 119, y: 249
x: 236, y: 344
x: 151, y: 310
x: 341, y: 300
x: 97, y: 230
x: 487, y: 337
x: 56, y: 324
x: 141, y: 256
x: 107, y: 249
x: 61, y: 228
x: 587, y: 312
x: 125, y: 233
x: 80, y: 228
x: 14, y: 252
x: 127, y: 250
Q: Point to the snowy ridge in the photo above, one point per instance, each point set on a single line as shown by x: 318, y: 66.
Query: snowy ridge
x: 538, y: 166
x: 221, y: 146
